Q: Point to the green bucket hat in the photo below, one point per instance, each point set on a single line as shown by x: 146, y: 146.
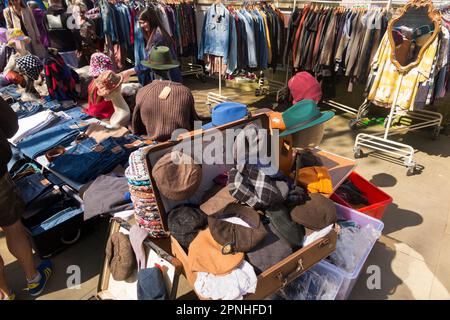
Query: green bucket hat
x: 160, y: 59
x: 303, y: 115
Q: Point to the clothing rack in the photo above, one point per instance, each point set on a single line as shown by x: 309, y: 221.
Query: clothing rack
x: 277, y: 87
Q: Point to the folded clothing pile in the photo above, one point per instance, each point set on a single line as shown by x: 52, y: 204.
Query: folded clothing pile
x: 33, y: 124
x: 88, y: 159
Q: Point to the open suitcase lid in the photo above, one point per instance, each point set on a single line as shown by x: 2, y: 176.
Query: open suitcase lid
x: 110, y: 289
x: 339, y: 167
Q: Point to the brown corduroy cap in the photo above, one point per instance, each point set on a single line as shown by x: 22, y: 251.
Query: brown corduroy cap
x: 205, y: 255
x: 234, y: 237
x: 177, y: 176
x: 216, y: 200
x: 120, y: 256
x: 316, y: 214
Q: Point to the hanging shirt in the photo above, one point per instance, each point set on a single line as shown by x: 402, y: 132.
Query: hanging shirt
x: 388, y: 79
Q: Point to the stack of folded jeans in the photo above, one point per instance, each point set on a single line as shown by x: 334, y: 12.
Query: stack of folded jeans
x: 9, y: 92
x: 59, y: 135
x: 146, y: 210
x: 88, y: 159
x: 33, y: 124
x: 56, y: 105
x: 26, y: 109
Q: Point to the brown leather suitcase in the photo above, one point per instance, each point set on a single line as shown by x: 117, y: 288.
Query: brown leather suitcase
x: 278, y: 275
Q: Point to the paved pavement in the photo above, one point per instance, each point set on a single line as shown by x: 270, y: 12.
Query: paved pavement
x: 413, y: 253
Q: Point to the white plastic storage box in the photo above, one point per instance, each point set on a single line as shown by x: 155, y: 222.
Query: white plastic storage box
x: 350, y: 278
x: 324, y: 270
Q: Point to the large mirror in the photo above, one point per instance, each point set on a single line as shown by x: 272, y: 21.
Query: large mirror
x: 411, y: 32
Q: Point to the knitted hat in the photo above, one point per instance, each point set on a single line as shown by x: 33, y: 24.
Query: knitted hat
x: 99, y: 63
x: 177, y: 176
x: 137, y: 170
x: 30, y: 65
x: 205, y: 255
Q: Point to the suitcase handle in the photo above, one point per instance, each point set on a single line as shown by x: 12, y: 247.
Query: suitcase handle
x: 286, y: 279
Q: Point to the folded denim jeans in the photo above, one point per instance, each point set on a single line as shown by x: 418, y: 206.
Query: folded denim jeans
x: 10, y: 90
x: 87, y: 160
x: 26, y: 109
x: 59, y: 135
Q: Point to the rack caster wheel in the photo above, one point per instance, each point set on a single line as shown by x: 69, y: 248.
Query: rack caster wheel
x: 358, y: 153
x: 411, y: 170
x: 353, y: 124
x: 435, y: 134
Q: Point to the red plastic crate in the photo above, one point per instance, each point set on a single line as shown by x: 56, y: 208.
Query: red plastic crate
x: 378, y: 199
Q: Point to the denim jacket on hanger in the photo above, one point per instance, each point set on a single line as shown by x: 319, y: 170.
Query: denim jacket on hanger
x: 215, y: 32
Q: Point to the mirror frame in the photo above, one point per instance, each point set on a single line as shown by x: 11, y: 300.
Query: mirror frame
x: 434, y: 17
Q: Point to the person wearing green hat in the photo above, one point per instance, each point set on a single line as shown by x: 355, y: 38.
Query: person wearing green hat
x: 155, y: 52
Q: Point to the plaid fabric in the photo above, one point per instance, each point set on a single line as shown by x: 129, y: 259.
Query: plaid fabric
x: 388, y: 78
x: 251, y: 186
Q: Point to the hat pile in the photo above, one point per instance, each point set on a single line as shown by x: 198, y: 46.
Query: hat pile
x: 146, y: 210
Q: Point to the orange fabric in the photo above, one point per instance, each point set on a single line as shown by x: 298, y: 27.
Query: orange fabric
x: 276, y: 121
x: 205, y: 255
x: 315, y: 179
x: 286, y: 155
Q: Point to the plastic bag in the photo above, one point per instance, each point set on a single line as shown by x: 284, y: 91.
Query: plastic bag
x: 312, y: 285
x: 351, y: 246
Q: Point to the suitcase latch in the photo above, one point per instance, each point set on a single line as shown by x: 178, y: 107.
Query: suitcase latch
x: 286, y: 279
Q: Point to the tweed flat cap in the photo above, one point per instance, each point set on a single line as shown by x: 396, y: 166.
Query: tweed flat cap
x: 120, y: 255
x: 177, y: 176
x: 185, y: 222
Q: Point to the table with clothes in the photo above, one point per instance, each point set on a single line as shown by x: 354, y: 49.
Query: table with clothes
x: 58, y: 152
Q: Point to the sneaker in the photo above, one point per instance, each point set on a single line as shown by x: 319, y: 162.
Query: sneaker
x: 45, y: 270
x: 12, y: 296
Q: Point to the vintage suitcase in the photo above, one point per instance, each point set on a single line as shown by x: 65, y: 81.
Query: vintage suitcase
x: 278, y: 275
x: 157, y: 253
